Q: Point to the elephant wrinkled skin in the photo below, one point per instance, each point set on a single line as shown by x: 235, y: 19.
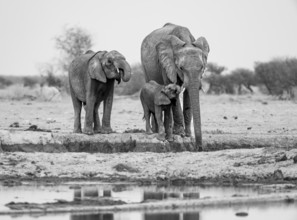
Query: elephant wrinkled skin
x: 91, y: 79
x: 172, y: 55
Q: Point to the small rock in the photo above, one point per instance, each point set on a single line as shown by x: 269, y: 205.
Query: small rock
x: 242, y: 214
x: 237, y: 164
x: 262, y: 160
x: 278, y: 175
x: 225, y: 118
x: 15, y: 125
x: 125, y: 168
x: 249, y: 128
x: 280, y: 157
x: 295, y: 159
x: 235, y: 117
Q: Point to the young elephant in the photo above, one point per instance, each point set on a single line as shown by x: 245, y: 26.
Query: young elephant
x: 155, y: 99
x: 91, y: 78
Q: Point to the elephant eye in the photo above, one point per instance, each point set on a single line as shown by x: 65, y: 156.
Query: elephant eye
x: 181, y: 68
x: 108, y: 62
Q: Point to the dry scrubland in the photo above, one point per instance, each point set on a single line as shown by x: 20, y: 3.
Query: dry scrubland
x: 223, y: 114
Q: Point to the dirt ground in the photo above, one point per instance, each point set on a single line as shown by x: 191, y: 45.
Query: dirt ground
x: 224, y: 114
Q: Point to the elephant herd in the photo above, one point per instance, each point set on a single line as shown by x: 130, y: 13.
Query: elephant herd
x: 172, y: 60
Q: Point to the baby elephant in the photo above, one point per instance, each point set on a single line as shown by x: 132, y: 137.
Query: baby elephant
x: 155, y: 99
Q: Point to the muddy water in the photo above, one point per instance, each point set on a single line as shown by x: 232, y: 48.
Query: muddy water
x: 134, y: 194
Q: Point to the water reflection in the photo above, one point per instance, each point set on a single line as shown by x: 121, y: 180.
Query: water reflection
x: 143, y: 216
x: 172, y: 216
x: 128, y: 196
x: 92, y: 217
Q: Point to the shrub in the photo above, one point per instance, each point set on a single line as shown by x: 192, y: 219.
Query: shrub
x: 30, y: 81
x: 4, y: 82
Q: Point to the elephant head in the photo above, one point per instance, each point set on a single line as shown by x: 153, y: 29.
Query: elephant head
x: 105, y: 65
x: 184, y: 64
x: 166, y: 94
x: 182, y: 61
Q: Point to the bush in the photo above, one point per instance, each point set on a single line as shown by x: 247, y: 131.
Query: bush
x: 52, y: 80
x: 135, y: 83
x: 4, y: 82
x: 279, y: 76
x: 30, y: 81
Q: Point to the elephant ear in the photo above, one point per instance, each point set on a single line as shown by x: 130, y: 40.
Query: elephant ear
x: 161, y: 98
x: 95, y: 69
x: 202, y: 44
x: 165, y: 51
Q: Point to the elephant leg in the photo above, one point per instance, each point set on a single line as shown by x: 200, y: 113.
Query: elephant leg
x: 168, y: 124
x: 97, y: 126
x: 106, y: 128
x: 187, y: 113
x: 89, y: 119
x: 178, y: 127
x: 148, y: 128
x: 77, y: 105
x: 161, y: 130
x: 146, y: 115
x: 154, y: 124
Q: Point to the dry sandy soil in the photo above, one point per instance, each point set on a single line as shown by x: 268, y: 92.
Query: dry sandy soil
x: 241, y: 115
x: 252, y: 114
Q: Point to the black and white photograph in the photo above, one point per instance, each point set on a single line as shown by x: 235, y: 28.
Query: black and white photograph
x: 148, y: 110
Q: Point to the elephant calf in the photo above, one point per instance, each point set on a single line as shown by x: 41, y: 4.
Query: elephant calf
x: 155, y: 99
x: 91, y: 79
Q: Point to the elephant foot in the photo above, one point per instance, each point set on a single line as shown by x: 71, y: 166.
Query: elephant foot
x: 88, y: 131
x: 106, y: 130
x: 179, y: 130
x: 161, y: 137
x: 169, y: 138
x: 149, y: 131
x: 97, y: 131
x: 77, y: 131
x: 188, y: 132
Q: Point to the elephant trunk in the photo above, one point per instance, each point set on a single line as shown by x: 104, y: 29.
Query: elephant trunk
x: 125, y: 70
x: 193, y: 87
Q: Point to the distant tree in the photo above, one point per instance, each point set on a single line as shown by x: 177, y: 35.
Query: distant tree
x: 73, y: 42
x: 243, y: 77
x: 217, y: 82
x: 215, y: 68
x: 278, y: 75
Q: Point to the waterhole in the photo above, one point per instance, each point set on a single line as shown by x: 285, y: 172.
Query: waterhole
x: 29, y: 193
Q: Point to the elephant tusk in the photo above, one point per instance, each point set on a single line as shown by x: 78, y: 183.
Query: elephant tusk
x: 182, y: 88
x: 118, y: 71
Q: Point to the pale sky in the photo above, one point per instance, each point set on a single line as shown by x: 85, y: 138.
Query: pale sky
x: 239, y: 32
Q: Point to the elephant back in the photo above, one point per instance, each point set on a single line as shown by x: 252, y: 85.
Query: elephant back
x: 78, y: 76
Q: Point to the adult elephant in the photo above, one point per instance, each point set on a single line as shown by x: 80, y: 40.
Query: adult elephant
x: 172, y: 55
x: 91, y: 77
